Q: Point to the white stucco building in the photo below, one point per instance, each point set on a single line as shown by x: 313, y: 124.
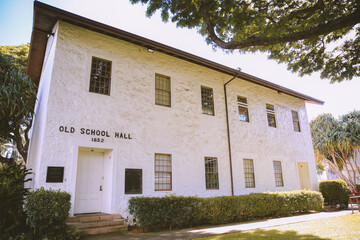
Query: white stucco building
x: 119, y: 115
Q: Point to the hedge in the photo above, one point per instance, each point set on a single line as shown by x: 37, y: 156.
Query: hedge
x: 47, y: 212
x: 155, y: 213
x: 335, y: 192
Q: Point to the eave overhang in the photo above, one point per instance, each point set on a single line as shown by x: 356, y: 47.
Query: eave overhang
x: 46, y: 16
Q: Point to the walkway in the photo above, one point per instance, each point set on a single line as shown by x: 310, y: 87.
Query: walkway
x: 195, y: 233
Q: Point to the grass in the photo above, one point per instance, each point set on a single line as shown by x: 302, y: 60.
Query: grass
x: 336, y: 228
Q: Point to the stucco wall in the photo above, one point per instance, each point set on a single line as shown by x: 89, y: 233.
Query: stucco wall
x: 182, y: 130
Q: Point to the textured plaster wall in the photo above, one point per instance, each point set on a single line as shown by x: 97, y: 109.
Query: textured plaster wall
x: 40, y: 116
x: 181, y: 130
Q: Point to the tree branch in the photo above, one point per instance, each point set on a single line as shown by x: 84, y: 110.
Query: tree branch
x: 323, y: 29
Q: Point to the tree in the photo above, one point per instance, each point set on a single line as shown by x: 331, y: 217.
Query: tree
x: 309, y: 36
x: 17, y: 99
x: 337, y: 143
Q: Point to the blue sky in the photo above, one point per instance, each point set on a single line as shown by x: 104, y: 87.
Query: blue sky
x: 16, y: 23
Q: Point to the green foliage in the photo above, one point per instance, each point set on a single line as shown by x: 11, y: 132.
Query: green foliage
x: 12, y: 192
x: 337, y: 142
x: 173, y: 211
x: 335, y: 192
x: 17, y: 99
x: 47, y: 212
x: 165, y: 212
x: 358, y: 188
x: 309, y: 36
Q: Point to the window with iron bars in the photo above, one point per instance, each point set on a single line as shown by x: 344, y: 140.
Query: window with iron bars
x: 163, y: 172
x: 270, y: 110
x: 243, y: 109
x: 100, y: 77
x: 249, y: 173
x: 279, y: 182
x: 211, y: 173
x: 207, y: 101
x: 162, y: 90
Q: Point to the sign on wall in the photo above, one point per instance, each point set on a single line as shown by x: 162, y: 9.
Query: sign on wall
x: 96, y: 134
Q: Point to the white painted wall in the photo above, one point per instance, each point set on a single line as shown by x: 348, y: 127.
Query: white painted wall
x: 181, y: 130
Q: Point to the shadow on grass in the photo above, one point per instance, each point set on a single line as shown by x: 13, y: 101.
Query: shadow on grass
x: 267, y: 234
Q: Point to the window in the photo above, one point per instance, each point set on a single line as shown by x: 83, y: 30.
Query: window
x: 296, y: 122
x: 133, y: 181
x: 162, y: 172
x: 278, y: 174
x: 243, y: 109
x: 207, y: 100
x: 249, y: 173
x: 270, y: 110
x: 211, y: 173
x: 100, y: 77
x: 162, y: 90
x: 55, y: 175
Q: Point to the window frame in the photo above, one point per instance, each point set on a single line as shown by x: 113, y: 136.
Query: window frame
x: 99, y: 76
x: 141, y: 180
x: 216, y: 174
x: 159, y: 89
x: 251, y: 173
x: 270, y: 112
x: 155, y: 172
x: 279, y: 178
x: 211, y: 100
x: 59, y: 172
x: 244, y: 106
x: 296, y: 121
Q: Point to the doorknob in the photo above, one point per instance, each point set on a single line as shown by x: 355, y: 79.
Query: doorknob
x: 100, y: 188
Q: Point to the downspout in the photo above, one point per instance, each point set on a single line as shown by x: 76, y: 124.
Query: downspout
x: 228, y: 135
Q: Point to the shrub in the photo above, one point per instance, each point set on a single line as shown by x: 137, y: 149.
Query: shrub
x: 358, y: 187
x: 335, y: 191
x: 168, y: 212
x: 165, y: 212
x: 12, y: 193
x: 47, y: 212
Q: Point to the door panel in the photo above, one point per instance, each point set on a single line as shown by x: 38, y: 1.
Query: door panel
x: 88, y: 181
x: 304, y: 175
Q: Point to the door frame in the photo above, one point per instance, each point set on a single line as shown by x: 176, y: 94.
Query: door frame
x: 110, y: 169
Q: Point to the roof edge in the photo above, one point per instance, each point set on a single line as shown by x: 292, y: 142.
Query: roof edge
x: 45, y: 17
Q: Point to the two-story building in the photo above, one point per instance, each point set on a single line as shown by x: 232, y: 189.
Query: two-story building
x: 119, y: 115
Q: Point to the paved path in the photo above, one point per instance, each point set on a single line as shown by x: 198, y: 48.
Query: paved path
x: 195, y: 233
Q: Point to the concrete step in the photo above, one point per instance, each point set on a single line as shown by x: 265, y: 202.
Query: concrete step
x: 101, y: 230
x: 105, y: 223
x: 93, y: 217
x: 98, y: 223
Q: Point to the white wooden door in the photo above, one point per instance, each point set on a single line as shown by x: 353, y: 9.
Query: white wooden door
x: 89, y: 182
x: 304, y: 175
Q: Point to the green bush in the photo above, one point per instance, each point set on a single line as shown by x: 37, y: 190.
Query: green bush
x: 165, y: 212
x: 358, y: 187
x: 47, y: 212
x: 12, y: 193
x: 335, y: 191
x: 169, y: 212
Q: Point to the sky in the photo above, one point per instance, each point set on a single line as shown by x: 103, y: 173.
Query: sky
x: 16, y: 18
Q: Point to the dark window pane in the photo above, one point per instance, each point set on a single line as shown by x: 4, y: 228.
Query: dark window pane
x: 133, y: 181
x: 55, y: 175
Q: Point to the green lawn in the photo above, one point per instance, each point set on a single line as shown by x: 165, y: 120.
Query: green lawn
x: 345, y: 227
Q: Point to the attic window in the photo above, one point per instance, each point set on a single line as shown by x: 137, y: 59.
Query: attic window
x: 100, y: 77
